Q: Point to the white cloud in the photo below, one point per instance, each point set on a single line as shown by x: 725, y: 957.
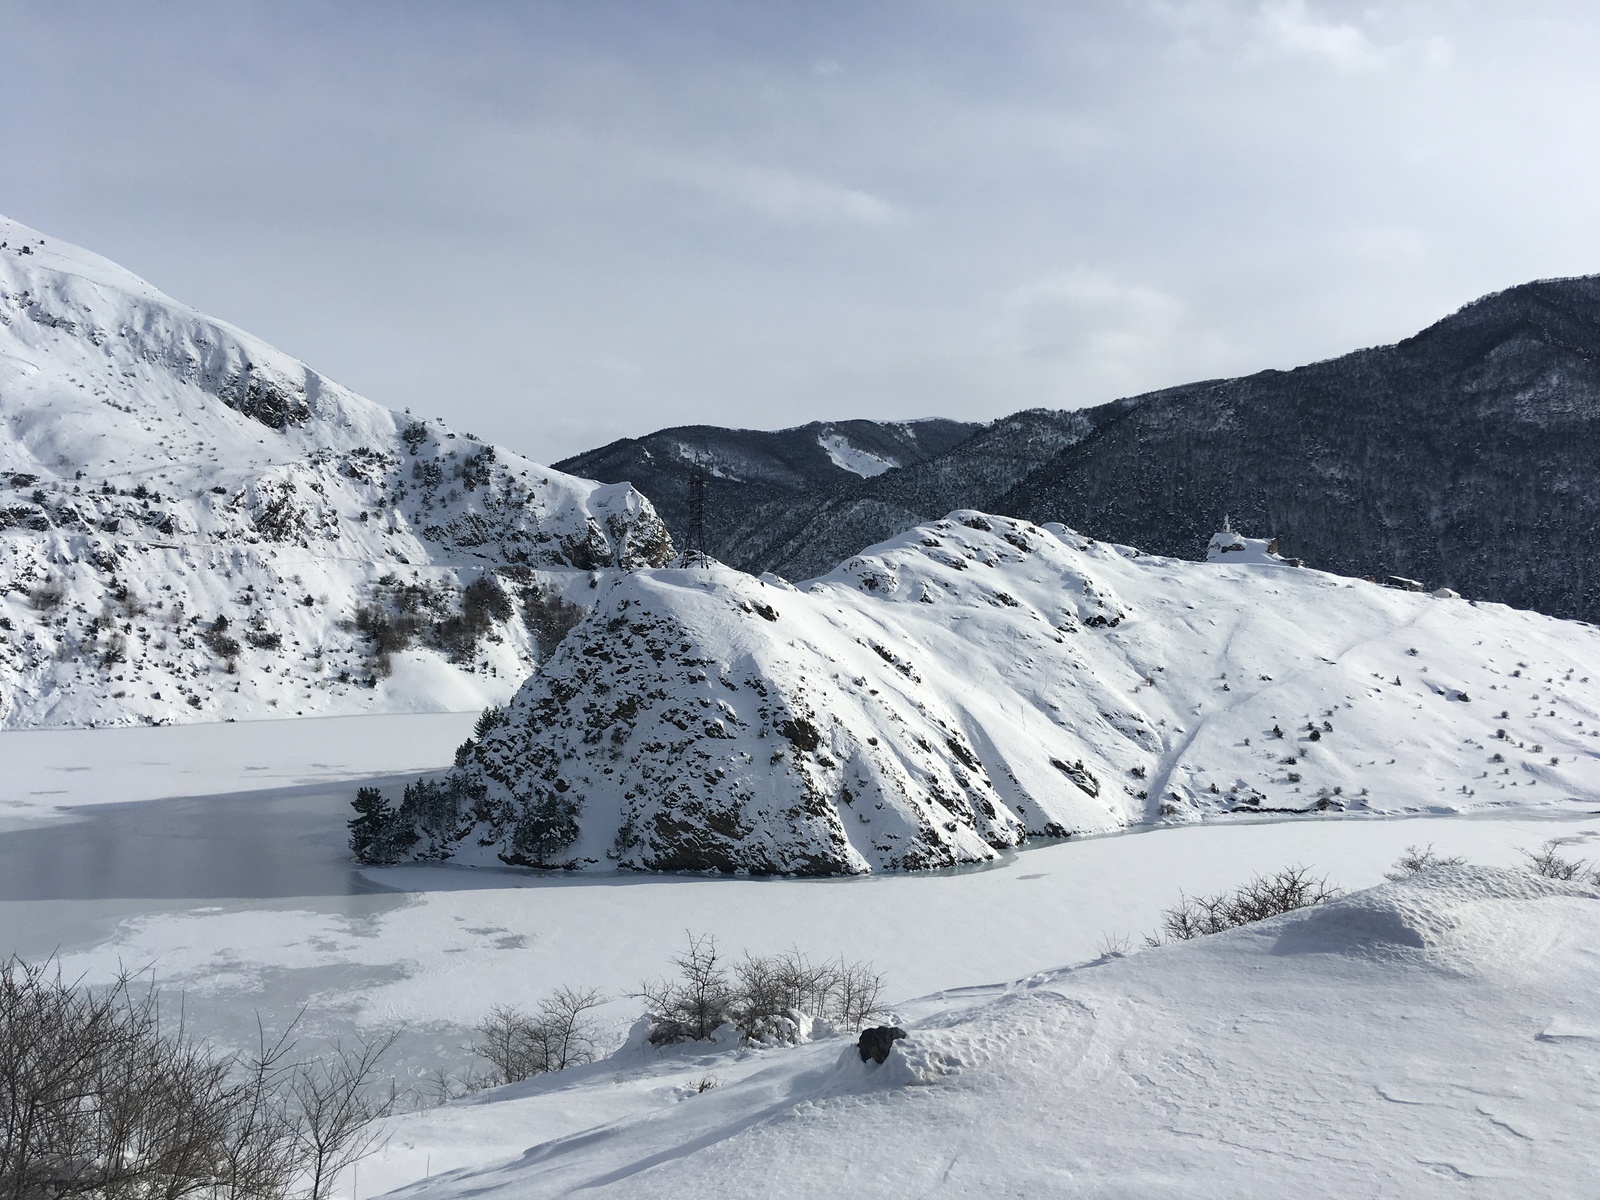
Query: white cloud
x: 777, y: 194
x: 1293, y: 28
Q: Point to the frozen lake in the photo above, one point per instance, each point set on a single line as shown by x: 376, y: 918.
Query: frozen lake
x: 253, y: 845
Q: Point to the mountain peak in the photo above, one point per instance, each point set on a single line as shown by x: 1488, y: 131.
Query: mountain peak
x: 195, y: 524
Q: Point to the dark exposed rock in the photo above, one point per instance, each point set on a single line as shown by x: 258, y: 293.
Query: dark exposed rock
x: 874, y: 1043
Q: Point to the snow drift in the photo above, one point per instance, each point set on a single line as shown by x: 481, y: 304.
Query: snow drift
x: 981, y: 681
x: 1422, y: 1038
x: 160, y: 469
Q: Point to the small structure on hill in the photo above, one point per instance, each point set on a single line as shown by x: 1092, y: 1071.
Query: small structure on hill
x: 1231, y: 547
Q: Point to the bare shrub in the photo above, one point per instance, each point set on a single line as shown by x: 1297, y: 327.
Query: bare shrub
x: 697, y: 1003
x: 483, y: 602
x: 765, y: 998
x: 335, y: 1110
x: 386, y: 635
x: 101, y: 1097
x: 1547, y: 862
x: 558, y: 1035
x: 1262, y: 897
x: 50, y: 594
x: 1114, y: 945
x: 1417, y: 859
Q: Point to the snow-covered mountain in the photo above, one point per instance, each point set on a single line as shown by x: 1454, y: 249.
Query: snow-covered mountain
x: 980, y: 681
x: 194, y: 525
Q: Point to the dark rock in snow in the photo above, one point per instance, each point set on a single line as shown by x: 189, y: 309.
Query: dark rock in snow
x: 874, y: 1043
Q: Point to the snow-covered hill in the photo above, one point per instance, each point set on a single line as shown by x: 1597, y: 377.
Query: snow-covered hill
x: 161, y: 471
x: 980, y: 681
x: 1432, y: 1037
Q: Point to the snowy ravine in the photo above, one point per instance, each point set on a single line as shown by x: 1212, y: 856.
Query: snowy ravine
x: 160, y: 470
x: 1430, y: 1037
x: 980, y: 681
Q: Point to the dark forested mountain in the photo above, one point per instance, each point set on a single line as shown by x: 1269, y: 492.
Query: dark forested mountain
x: 1467, y: 456
x: 759, y: 480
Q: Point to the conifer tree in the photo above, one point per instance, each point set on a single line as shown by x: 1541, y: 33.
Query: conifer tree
x: 372, y: 831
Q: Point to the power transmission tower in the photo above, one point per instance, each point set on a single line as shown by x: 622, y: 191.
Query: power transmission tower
x: 697, y: 516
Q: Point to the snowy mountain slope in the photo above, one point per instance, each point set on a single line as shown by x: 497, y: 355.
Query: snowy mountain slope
x: 160, y: 470
x: 980, y: 681
x: 1432, y: 1037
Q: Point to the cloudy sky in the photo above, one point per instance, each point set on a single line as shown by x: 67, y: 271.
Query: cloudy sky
x: 555, y: 224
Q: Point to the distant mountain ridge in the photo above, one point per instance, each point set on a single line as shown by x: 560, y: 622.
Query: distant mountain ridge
x: 1466, y: 456
x: 194, y: 525
x: 757, y: 478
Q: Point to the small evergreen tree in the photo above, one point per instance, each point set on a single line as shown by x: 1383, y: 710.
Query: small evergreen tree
x: 373, y: 829
x: 548, y: 825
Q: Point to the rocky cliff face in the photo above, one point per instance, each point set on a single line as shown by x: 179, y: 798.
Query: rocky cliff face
x: 161, y: 471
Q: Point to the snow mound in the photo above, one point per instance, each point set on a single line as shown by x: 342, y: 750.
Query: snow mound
x: 980, y: 681
x: 1435, y: 911
x: 160, y: 469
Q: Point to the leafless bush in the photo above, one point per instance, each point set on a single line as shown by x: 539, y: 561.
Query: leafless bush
x: 693, y: 1006
x: 1547, y: 862
x: 49, y: 594
x: 558, y: 1035
x: 1417, y: 859
x: 1264, y: 896
x: 335, y: 1108
x: 765, y: 997
x: 101, y: 1097
x: 1115, y: 945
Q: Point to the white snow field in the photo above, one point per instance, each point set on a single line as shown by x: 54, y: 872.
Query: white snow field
x: 1434, y: 1037
x: 1145, y: 1091
x: 160, y: 470
x: 979, y: 681
x: 852, y: 458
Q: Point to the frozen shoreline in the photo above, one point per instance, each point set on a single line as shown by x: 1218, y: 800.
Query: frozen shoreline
x: 49, y: 772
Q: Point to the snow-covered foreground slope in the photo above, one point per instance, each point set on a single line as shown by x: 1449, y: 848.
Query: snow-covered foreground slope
x: 1434, y: 1037
x: 980, y: 681
x: 160, y: 470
